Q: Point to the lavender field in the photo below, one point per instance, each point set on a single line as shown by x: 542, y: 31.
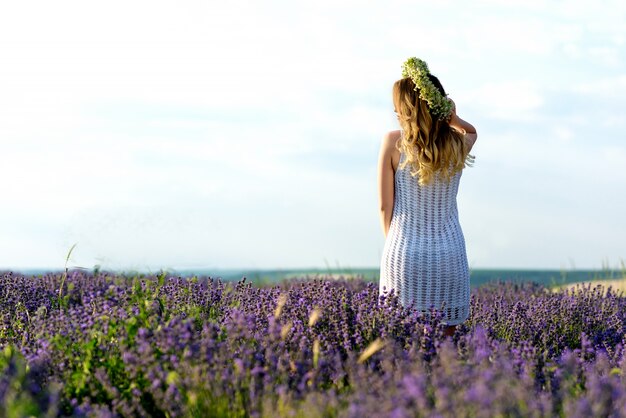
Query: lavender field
x: 105, y: 346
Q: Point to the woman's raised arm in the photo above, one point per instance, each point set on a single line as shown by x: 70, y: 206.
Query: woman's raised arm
x: 462, y: 126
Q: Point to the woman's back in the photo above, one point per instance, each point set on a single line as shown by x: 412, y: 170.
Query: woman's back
x: 426, y: 210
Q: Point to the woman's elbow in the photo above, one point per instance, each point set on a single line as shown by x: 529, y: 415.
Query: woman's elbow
x: 386, y: 209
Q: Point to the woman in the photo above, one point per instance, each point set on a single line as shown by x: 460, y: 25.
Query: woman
x: 419, y: 169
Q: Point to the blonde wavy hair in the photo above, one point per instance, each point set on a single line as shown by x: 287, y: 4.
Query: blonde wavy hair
x: 430, y: 146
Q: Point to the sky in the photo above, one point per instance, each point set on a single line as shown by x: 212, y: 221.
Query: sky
x: 245, y: 134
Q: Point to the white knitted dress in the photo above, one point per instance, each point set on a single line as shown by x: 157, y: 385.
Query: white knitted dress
x: 424, y: 257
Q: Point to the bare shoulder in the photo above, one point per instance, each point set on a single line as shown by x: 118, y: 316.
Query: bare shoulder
x: 390, y: 138
x: 392, y: 135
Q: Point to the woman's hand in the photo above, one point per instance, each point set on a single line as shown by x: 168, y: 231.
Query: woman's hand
x: 452, y: 114
x: 459, y: 124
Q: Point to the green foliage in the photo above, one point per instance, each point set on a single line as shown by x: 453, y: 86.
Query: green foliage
x: 23, y: 397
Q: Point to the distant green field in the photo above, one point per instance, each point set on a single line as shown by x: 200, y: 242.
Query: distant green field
x: 477, y: 277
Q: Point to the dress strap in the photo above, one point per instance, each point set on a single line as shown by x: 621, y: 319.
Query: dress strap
x: 401, y: 153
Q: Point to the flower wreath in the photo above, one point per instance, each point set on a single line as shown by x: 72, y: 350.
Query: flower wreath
x: 417, y: 70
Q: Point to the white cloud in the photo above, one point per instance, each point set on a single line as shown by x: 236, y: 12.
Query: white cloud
x: 610, y: 87
x: 510, y: 100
